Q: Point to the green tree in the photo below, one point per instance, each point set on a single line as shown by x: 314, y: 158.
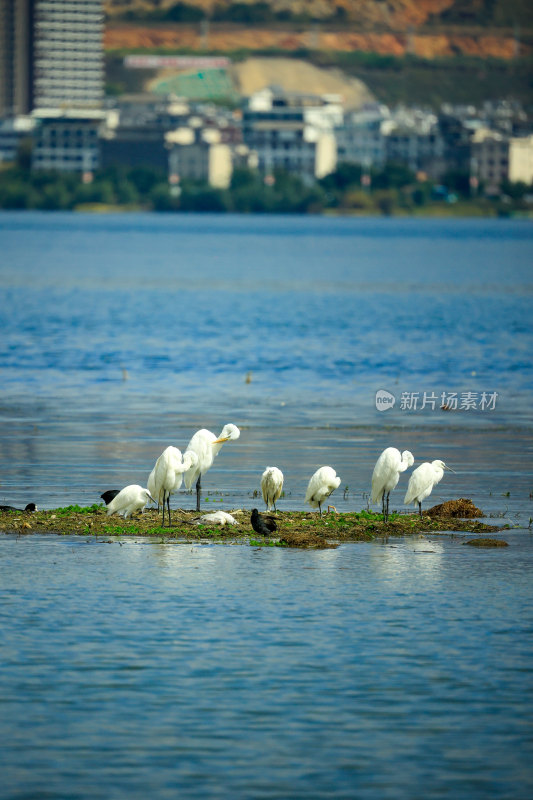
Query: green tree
x: 393, y: 176
x: 516, y: 190
x: 202, y: 198
x: 346, y: 174
x: 55, y: 197
x: 161, y: 199
x: 457, y: 180
x: 145, y: 178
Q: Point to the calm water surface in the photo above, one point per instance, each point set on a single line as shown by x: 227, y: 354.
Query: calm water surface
x: 124, y: 333
x: 398, y: 669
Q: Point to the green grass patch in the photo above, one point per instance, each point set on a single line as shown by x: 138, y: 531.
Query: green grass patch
x: 68, y: 510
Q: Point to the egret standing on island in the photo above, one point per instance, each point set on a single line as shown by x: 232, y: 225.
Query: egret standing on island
x: 206, y: 446
x: 387, y: 474
x: 130, y: 499
x: 271, y: 486
x: 321, y: 485
x: 422, y: 481
x: 167, y: 475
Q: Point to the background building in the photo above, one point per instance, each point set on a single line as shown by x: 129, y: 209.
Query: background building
x: 68, y: 58
x: 16, y: 57
x: 293, y: 132
x: 51, y: 55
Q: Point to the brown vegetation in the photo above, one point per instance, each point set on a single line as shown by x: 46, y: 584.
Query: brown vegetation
x: 462, y: 509
x: 487, y: 543
x: 394, y: 13
x: 227, y: 39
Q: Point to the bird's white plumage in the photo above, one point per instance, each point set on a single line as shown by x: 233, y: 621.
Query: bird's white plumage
x: 165, y: 473
x: 321, y: 485
x: 130, y: 499
x: 387, y: 471
x: 271, y: 486
x: 151, y: 484
x: 422, y: 481
x: 218, y: 518
x: 206, y: 446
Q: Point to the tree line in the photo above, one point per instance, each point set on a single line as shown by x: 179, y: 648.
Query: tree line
x: 388, y: 190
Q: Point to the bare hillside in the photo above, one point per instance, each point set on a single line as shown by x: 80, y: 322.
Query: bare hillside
x: 298, y: 76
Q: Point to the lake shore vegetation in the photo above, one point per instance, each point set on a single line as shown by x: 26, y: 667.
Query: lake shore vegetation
x: 294, y: 528
x: 392, y: 190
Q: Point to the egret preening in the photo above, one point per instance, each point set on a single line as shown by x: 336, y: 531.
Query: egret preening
x: 387, y: 474
x: 167, y: 475
x: 422, y: 481
x: 321, y: 485
x: 271, y: 486
x: 206, y: 446
x: 262, y: 525
x: 129, y: 500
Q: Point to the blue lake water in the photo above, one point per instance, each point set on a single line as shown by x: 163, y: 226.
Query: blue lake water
x: 397, y: 669
x: 124, y: 333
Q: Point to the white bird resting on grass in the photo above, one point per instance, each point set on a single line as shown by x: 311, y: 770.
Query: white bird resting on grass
x: 129, y: 500
x: 206, y: 446
x: 387, y: 474
x: 321, y: 485
x: 271, y: 486
x: 216, y: 518
x: 422, y: 481
x: 167, y: 475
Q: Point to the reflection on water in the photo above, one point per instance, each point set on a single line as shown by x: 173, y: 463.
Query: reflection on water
x: 394, y: 557
x: 142, y: 669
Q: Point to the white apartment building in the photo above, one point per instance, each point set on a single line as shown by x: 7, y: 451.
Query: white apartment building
x: 68, y: 58
x: 293, y: 132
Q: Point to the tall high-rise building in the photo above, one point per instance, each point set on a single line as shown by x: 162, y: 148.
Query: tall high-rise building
x: 51, y: 55
x: 16, y: 57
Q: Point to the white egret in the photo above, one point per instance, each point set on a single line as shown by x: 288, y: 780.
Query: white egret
x: 387, y: 474
x: 271, y: 486
x: 130, y: 499
x: 168, y: 475
x: 217, y: 518
x: 321, y: 485
x: 206, y: 446
x: 151, y: 485
x: 422, y: 481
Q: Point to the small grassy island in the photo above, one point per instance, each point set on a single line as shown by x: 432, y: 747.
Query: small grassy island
x: 294, y: 528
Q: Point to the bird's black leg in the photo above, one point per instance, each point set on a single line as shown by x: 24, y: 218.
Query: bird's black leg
x: 388, y: 495
x: 320, y: 508
x: 198, y: 489
x: 163, y: 520
x: 383, y: 506
x: 420, y: 510
x: 168, y: 510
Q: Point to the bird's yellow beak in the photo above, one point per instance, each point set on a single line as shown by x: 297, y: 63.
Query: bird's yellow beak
x: 451, y: 470
x: 223, y: 439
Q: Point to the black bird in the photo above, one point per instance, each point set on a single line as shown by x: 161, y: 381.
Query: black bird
x: 29, y: 507
x: 262, y: 524
x: 109, y: 495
